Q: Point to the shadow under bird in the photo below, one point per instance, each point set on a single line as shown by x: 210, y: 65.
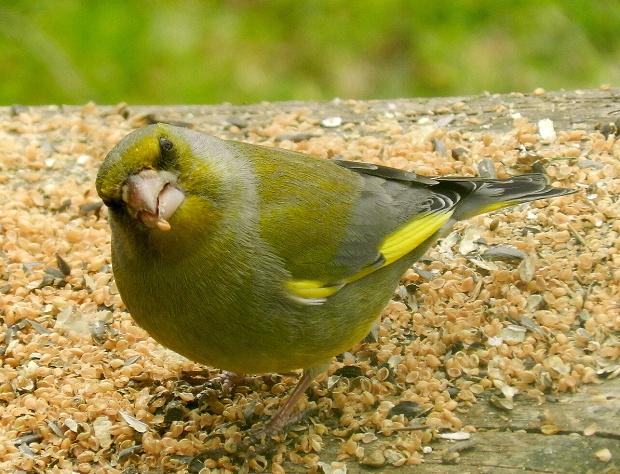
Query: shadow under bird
x: 254, y: 259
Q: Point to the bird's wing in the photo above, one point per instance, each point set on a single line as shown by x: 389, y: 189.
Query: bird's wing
x: 332, y: 223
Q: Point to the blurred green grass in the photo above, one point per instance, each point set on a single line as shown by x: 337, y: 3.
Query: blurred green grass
x: 243, y: 51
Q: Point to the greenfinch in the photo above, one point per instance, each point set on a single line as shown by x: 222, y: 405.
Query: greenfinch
x: 254, y: 259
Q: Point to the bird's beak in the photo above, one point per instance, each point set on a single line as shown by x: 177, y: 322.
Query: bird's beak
x: 153, y: 197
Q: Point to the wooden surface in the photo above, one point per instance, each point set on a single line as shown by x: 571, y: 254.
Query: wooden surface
x: 504, y: 441
x: 493, y: 112
x: 511, y: 441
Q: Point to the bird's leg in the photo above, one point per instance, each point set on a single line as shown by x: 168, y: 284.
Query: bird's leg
x: 279, y: 420
x: 283, y: 415
x: 261, y: 440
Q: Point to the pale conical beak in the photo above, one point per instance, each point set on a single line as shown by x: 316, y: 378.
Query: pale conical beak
x: 153, y: 197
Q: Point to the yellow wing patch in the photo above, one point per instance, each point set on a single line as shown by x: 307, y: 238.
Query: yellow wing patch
x: 312, y: 289
x: 414, y: 234
x: 395, y: 246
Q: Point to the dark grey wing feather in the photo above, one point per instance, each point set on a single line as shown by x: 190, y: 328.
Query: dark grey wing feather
x: 385, y: 172
x: 384, y: 206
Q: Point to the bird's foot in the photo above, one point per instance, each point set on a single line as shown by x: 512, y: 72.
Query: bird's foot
x: 227, y: 381
x: 259, y: 441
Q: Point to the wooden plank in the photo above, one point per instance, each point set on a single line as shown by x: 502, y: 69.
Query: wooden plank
x: 571, y: 413
x: 493, y: 112
x: 508, y: 452
x: 504, y: 441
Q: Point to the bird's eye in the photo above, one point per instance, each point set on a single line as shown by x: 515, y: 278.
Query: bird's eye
x: 165, y: 144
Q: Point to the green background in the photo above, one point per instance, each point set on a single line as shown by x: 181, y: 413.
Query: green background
x: 243, y: 51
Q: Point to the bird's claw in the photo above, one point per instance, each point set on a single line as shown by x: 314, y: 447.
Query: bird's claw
x: 259, y: 441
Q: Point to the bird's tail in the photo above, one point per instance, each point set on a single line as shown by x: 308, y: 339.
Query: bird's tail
x: 480, y: 195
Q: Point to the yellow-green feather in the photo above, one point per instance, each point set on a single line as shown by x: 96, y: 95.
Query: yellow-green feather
x: 299, y: 198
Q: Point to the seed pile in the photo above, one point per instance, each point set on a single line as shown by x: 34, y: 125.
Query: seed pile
x: 519, y: 303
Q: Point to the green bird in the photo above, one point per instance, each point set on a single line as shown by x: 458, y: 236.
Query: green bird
x: 254, y: 259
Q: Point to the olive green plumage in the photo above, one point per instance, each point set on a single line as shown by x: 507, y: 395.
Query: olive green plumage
x: 255, y: 259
